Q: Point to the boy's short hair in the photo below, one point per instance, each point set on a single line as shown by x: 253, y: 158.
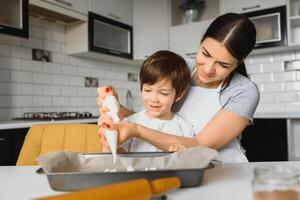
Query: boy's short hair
x: 166, y: 64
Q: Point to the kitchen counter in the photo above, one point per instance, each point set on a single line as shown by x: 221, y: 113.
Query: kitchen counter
x: 229, y: 182
x: 278, y: 115
x: 14, y: 124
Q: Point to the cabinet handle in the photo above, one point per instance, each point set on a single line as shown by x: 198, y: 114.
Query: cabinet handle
x: 114, y: 52
x: 191, y: 54
x: 66, y: 3
x: 114, y: 16
x: 251, y: 7
x: 2, y: 139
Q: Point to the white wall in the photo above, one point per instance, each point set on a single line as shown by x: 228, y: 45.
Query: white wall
x: 280, y: 89
x: 33, y: 86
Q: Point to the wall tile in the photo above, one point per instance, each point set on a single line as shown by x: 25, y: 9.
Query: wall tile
x: 21, y: 77
x: 41, y: 101
x: 42, y: 78
x: 60, y: 101
x: 68, y: 91
x: 284, y: 76
x: 60, y: 80
x: 69, y: 70
x: 41, y: 33
x: 59, y: 37
x: 264, y: 58
x: 51, y: 68
x: 4, y: 50
x: 76, y: 61
x: 5, y: 101
x: 293, y: 107
x: 273, y: 87
x: 4, y: 76
x: 254, y: 68
x: 51, y: 46
x: 292, y: 86
x: 262, y: 78
x: 31, y: 89
x: 266, y: 98
x: 20, y: 52
x: 32, y: 66
x: 32, y: 43
x: 77, y: 101
x: 10, y: 63
x: 283, y: 56
x: 11, y: 88
x: 273, y: 67
x: 83, y: 71
x: 60, y: 58
x: 51, y: 90
x: 285, y: 97
x: 273, y: 108
x: 35, y: 21
x: 21, y: 101
x: 77, y: 81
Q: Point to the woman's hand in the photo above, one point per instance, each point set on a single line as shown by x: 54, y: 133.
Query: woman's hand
x: 177, y: 147
x: 103, y: 92
x: 104, y: 123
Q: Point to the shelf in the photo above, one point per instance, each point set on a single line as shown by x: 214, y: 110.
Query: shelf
x: 295, y: 18
x: 210, y: 11
x: 294, y: 8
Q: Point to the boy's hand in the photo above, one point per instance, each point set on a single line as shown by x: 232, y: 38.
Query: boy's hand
x: 126, y: 130
x: 177, y: 147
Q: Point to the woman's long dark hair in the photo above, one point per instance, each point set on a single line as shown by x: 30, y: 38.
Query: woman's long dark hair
x: 237, y: 33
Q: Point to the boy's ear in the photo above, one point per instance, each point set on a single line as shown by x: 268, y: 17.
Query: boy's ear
x: 179, y: 97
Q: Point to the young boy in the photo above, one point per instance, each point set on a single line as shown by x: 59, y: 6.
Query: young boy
x: 164, y: 77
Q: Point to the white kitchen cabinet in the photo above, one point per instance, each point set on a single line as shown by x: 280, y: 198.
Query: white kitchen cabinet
x: 68, y: 10
x: 80, y: 6
x: 293, y: 22
x: 150, y: 27
x: 119, y: 10
x: 185, y: 39
x: 242, y: 6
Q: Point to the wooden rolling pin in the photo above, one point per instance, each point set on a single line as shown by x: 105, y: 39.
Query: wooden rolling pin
x: 139, y: 189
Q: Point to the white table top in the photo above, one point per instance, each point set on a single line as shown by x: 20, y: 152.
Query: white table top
x: 229, y: 182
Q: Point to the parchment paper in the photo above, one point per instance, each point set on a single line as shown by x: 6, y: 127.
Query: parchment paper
x: 66, y: 161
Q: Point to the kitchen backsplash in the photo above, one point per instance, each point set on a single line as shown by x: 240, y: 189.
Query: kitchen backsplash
x: 34, y: 86
x: 279, y: 89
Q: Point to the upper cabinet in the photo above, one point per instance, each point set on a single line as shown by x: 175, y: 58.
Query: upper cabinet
x: 119, y: 10
x: 294, y: 22
x: 243, y: 6
x: 66, y: 11
x: 186, y: 33
x: 150, y: 27
x: 80, y: 6
x: 185, y: 39
x: 14, y: 17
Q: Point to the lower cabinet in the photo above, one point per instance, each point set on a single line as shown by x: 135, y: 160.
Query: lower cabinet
x: 11, y: 141
x: 294, y: 139
x: 266, y: 140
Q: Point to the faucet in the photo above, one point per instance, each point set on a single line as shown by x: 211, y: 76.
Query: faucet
x: 129, y: 100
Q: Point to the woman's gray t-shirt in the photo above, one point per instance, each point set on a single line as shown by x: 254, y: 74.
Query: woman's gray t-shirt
x: 240, y: 96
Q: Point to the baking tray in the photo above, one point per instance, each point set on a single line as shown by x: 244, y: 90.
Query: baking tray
x: 70, y: 181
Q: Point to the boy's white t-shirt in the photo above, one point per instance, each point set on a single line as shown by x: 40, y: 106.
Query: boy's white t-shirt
x: 176, y: 126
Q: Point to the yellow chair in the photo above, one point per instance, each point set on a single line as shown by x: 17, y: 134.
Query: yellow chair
x: 45, y: 138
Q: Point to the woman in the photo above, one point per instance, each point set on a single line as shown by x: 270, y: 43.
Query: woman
x: 220, y: 102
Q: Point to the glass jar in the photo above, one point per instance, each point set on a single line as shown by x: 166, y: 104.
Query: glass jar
x: 276, y: 183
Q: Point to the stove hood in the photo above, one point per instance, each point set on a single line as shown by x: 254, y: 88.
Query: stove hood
x: 53, y: 10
